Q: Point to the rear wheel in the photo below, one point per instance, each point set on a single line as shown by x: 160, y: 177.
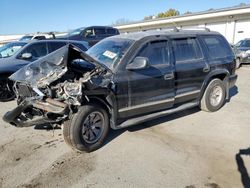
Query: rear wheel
x: 87, y: 129
x: 214, y: 96
x: 6, y: 90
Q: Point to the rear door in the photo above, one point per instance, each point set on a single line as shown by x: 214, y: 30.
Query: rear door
x: 219, y: 52
x: 191, y: 68
x: 151, y: 89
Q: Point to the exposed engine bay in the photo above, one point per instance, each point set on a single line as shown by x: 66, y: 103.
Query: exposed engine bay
x: 51, y: 88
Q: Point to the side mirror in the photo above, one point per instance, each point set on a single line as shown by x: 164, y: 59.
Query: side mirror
x: 138, y: 63
x: 26, y: 56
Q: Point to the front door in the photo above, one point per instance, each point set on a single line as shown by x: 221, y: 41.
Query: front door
x: 151, y: 89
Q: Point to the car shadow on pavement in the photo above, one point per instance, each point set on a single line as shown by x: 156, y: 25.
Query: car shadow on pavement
x: 245, y: 179
x: 115, y: 133
x: 47, y: 127
x: 164, y: 119
x: 232, y: 92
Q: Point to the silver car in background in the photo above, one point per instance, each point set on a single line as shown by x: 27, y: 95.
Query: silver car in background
x: 242, y: 52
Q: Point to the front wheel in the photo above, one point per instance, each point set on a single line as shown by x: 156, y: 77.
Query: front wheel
x: 214, y: 96
x: 6, y: 91
x: 87, y: 129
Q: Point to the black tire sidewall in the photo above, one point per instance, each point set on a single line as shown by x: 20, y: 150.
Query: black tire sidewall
x: 212, y: 84
x: 6, y: 81
x: 76, y: 125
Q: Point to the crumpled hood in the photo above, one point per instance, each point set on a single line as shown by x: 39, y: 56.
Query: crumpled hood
x: 50, y: 68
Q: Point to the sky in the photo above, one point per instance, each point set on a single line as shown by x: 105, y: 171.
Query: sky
x: 29, y: 16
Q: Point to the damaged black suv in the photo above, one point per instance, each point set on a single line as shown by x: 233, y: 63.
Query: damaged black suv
x: 122, y: 81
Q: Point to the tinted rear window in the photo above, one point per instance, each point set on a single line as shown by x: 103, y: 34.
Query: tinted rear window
x: 55, y: 46
x: 99, y: 31
x: 112, y: 31
x: 186, y: 49
x: 217, y: 47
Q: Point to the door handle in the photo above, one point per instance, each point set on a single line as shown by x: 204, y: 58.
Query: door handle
x: 169, y: 76
x: 206, y: 68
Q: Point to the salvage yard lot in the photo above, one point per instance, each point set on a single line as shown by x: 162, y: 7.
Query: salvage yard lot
x: 189, y: 149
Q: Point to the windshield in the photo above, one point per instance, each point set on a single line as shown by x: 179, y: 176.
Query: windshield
x: 25, y: 38
x: 243, y: 43
x: 75, y: 32
x: 110, y: 51
x: 10, y: 49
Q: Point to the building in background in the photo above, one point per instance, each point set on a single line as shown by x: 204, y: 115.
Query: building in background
x: 233, y: 23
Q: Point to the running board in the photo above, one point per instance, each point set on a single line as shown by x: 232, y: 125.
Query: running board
x: 149, y: 117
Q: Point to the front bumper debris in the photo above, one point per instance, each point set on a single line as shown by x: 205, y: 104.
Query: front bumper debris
x: 17, y: 117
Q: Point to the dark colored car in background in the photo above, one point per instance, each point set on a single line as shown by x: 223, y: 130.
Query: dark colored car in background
x: 10, y: 49
x: 242, y: 52
x: 92, y: 34
x: 18, y: 54
x: 134, y: 78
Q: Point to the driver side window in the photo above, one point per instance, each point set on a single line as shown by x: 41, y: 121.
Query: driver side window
x: 157, y: 53
x: 88, y: 33
x: 37, y: 50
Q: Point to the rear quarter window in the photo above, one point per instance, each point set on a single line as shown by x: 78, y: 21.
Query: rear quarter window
x: 217, y: 47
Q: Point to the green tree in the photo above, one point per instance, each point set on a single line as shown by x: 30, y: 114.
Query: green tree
x: 169, y: 13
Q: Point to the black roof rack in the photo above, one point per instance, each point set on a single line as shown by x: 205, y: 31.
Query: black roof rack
x: 197, y: 29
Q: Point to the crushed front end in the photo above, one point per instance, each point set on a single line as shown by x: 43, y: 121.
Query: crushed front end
x: 51, y: 88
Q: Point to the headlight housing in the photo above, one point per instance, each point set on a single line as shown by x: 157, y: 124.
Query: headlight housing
x: 73, y: 89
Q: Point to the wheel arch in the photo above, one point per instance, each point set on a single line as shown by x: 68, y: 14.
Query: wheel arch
x: 5, y: 75
x: 108, y: 104
x: 221, y: 74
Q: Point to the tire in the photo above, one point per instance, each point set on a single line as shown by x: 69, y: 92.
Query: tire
x: 214, y: 96
x: 6, y: 90
x: 86, y: 130
x: 238, y: 63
